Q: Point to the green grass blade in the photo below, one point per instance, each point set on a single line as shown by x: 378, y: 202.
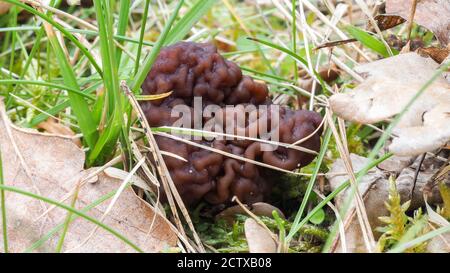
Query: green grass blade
x: 124, y: 14
x: 369, y: 41
x: 114, y: 97
x: 107, y: 140
x: 3, y: 207
x: 151, y: 57
x: 107, y: 50
x: 336, y: 192
x: 309, y: 189
x: 271, y: 76
x: 67, y: 222
x: 13, y: 19
x: 52, y: 111
x: 184, y: 25
x: 118, y: 37
x: 293, y: 55
x: 49, y: 84
x: 282, y: 49
x: 60, y: 107
x: 141, y: 36
x: 430, y: 235
x: 61, y: 29
x: 78, y: 105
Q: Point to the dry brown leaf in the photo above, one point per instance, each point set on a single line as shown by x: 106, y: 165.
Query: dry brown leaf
x: 374, y: 187
x: 259, y: 209
x: 258, y: 238
x: 395, y: 164
x: 52, y: 166
x: 432, y: 14
x: 4, y: 7
x: 437, y: 54
x: 439, y: 244
x: 53, y: 127
x: 385, y: 22
x: 390, y: 84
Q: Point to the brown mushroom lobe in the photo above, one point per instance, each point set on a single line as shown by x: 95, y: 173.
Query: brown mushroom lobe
x: 192, y: 70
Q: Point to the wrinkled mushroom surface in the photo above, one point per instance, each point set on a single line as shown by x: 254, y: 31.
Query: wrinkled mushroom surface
x: 192, y: 70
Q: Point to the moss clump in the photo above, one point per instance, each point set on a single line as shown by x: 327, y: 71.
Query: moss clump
x: 398, y: 225
x: 221, y: 236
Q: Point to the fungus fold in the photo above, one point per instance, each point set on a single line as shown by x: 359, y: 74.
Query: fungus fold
x: 197, y: 70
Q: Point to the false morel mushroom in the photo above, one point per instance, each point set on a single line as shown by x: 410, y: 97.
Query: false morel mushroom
x: 196, y: 70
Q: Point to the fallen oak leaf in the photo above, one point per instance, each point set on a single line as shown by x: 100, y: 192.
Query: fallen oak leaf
x: 258, y: 238
x: 53, y: 127
x: 374, y: 187
x: 385, y: 22
x: 56, y: 166
x: 130, y: 215
x: 391, y: 83
x: 353, y: 235
x: 437, y: 54
x: 431, y: 135
x: 432, y: 14
x: 439, y: 244
x: 387, y: 88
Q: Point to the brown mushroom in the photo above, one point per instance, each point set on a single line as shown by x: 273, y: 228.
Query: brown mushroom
x: 192, y: 70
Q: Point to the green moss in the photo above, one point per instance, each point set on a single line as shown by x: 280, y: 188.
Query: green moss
x: 225, y: 237
x: 398, y: 225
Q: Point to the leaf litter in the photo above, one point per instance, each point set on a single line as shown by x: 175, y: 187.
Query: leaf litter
x: 52, y: 166
x: 374, y: 187
x: 389, y: 85
x: 432, y: 14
